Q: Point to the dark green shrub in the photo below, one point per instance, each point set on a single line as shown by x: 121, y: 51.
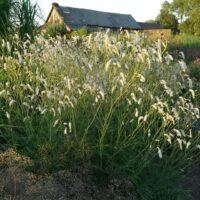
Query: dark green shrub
x: 53, y: 30
x: 80, y: 32
x: 195, y: 69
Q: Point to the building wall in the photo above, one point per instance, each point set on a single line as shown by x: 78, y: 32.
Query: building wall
x: 159, y: 33
x: 94, y: 29
x: 101, y: 29
x: 54, y: 18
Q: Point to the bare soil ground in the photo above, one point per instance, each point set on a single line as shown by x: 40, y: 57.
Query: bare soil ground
x: 18, y: 184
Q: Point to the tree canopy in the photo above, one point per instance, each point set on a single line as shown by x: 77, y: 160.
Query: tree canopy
x: 186, y: 12
x: 166, y: 18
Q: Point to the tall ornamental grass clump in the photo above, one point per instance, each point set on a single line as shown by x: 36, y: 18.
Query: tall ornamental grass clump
x: 117, y: 102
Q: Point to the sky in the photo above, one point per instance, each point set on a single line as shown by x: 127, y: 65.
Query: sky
x: 141, y: 10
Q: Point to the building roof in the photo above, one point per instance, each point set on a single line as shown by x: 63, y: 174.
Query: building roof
x: 150, y: 26
x: 78, y: 17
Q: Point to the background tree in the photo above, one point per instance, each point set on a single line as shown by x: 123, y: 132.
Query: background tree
x: 188, y: 12
x: 151, y: 21
x: 180, y: 8
x: 166, y: 17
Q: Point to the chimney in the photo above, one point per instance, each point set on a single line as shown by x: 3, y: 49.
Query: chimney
x: 54, y: 4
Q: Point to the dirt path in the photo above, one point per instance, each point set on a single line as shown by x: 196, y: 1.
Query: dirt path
x: 18, y: 184
x: 78, y: 184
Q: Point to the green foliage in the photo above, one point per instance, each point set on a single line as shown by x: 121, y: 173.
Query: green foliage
x: 18, y: 17
x: 195, y: 71
x: 180, y: 7
x: 24, y: 16
x: 168, y: 180
x: 188, y: 12
x: 187, y: 41
x: 192, y: 24
x: 5, y: 8
x: 151, y: 21
x: 53, y: 30
x: 80, y: 32
x: 166, y: 17
x: 120, y: 104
